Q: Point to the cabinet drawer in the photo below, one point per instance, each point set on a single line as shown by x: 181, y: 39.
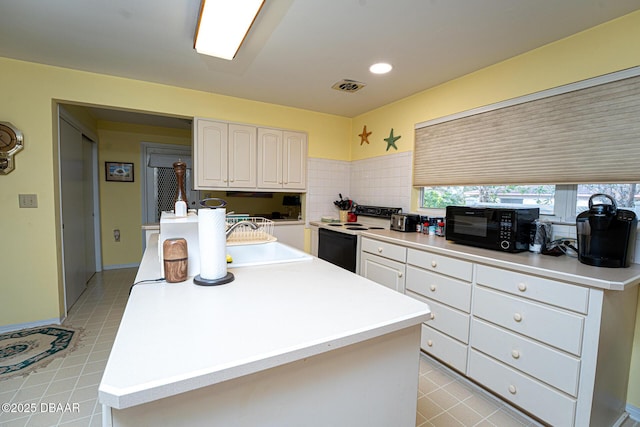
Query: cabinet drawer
x: 444, y: 348
x: 560, y: 294
x: 446, y: 319
x: 387, y: 250
x: 445, y: 289
x: 544, y: 363
x: 560, y: 329
x: 459, y: 269
x: 542, y: 401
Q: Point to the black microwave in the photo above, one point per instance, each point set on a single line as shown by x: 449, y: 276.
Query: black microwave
x: 502, y: 229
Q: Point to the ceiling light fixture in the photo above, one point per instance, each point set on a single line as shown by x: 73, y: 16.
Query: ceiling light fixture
x: 380, y: 68
x: 223, y: 26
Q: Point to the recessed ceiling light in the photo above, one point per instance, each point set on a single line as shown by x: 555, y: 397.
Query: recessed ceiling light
x: 380, y: 68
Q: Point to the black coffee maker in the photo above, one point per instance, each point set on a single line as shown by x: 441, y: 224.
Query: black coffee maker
x: 606, y: 234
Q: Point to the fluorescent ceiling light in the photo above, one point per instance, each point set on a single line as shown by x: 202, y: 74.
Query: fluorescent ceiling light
x: 380, y: 68
x: 223, y: 25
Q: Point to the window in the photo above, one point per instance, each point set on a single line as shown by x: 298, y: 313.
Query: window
x: 560, y: 202
x: 522, y: 196
x: 627, y: 196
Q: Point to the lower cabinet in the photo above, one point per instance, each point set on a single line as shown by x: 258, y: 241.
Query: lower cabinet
x: 445, y: 284
x: 383, y: 263
x: 383, y: 271
x: 555, y: 349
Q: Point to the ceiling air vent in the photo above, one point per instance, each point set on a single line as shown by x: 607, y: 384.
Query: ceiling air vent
x: 347, y: 85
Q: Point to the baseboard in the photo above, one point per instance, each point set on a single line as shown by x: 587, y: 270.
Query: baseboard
x: 634, y: 412
x: 119, y: 266
x: 19, y: 326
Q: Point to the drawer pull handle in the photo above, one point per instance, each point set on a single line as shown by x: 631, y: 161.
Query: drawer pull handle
x: 399, y: 274
x: 522, y: 287
x: 434, y: 264
x: 433, y: 288
x: 433, y: 316
x: 379, y: 250
x: 430, y: 343
x: 517, y: 317
x: 512, y: 389
x: 515, y: 354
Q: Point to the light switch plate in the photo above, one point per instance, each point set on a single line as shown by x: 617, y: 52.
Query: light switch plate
x: 28, y: 200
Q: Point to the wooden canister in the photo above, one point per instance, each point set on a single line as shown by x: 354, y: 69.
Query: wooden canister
x: 175, y: 260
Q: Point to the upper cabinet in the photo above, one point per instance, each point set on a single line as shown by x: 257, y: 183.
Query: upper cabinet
x: 224, y: 155
x: 245, y: 157
x: 282, y: 159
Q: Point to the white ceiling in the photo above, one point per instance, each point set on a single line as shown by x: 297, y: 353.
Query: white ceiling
x: 297, y: 49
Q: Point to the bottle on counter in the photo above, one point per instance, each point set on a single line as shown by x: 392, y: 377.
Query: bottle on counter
x: 440, y: 228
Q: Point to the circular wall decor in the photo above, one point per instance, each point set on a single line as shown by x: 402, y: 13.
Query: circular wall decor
x: 11, y: 141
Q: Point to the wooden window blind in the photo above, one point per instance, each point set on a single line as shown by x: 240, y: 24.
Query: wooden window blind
x: 589, y: 135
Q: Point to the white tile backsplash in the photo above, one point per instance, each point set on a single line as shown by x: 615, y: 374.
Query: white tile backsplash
x: 326, y: 179
x: 379, y: 181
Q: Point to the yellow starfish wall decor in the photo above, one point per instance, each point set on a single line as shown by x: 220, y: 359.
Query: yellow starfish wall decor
x: 391, y: 141
x: 364, y: 136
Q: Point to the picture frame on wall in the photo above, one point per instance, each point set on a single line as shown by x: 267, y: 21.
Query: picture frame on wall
x: 118, y: 171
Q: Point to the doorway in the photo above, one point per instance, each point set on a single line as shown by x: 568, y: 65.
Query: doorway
x: 159, y: 179
x: 78, y: 206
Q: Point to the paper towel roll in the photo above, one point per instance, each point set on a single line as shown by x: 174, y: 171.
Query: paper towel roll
x: 213, y: 243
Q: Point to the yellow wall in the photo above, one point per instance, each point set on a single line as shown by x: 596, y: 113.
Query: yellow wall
x: 120, y: 202
x: 30, y: 283
x: 604, y: 49
x: 30, y: 250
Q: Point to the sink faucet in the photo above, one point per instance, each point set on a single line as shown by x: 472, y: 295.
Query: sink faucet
x: 237, y: 224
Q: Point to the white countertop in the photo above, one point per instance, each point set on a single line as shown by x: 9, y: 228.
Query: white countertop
x: 179, y: 337
x: 563, y: 268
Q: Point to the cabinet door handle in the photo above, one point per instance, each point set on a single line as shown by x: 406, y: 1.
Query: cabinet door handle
x: 522, y: 287
x: 430, y: 343
x: 231, y: 180
x: 379, y: 250
x: 434, y: 264
x: 433, y: 316
x: 512, y: 389
x: 517, y: 317
x: 515, y: 354
x: 399, y: 274
x: 433, y: 288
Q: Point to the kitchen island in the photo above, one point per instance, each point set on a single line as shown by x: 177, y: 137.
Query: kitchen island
x: 292, y: 344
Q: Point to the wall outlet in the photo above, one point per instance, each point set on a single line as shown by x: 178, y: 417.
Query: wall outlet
x: 116, y: 235
x: 28, y: 200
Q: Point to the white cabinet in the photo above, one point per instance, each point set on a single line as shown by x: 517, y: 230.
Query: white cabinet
x: 445, y: 284
x: 224, y: 155
x: 552, y: 346
x: 383, y: 263
x: 290, y: 234
x: 282, y: 159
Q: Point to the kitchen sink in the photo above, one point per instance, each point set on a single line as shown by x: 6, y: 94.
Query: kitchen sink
x: 264, y: 253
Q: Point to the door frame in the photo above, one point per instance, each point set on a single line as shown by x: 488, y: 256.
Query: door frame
x: 89, y: 134
x: 146, y: 175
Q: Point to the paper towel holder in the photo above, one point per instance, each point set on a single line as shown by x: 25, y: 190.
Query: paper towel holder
x: 198, y: 280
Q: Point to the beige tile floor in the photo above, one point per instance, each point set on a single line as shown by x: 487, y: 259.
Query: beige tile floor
x: 444, y: 398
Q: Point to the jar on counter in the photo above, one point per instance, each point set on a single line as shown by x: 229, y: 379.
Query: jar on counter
x: 432, y: 226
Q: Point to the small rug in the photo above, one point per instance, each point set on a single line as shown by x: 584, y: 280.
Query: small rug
x: 24, y: 351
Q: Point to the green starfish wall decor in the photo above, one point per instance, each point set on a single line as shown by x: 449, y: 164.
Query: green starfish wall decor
x: 391, y: 141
